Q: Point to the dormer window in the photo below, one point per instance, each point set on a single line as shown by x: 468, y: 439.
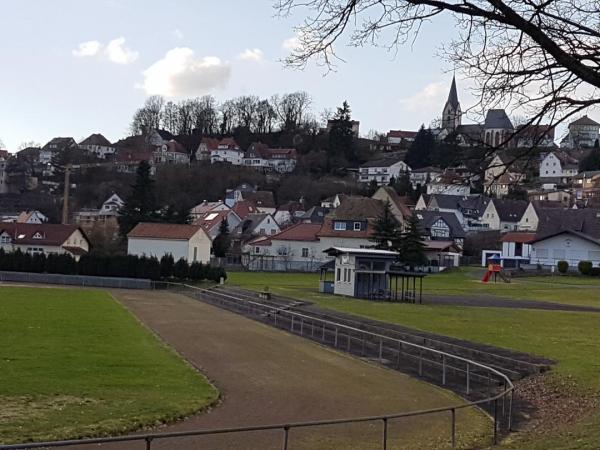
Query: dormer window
x: 37, y: 235
x: 5, y: 239
x: 357, y: 226
x: 339, y: 226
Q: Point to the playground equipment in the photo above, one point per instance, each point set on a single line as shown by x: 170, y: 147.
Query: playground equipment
x: 495, y: 268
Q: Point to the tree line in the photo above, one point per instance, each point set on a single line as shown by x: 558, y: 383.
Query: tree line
x: 127, y: 266
x: 206, y: 116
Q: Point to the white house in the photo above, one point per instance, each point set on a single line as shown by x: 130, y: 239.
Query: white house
x: 567, y: 245
x: 279, y: 160
x: 43, y: 238
x: 502, y: 214
x: 98, y: 145
x: 516, y: 249
x: 382, y: 170
x: 501, y: 175
x: 211, y: 221
x: 558, y: 164
x: 583, y: 132
x: 422, y: 176
x: 260, y: 224
x: 189, y: 242
x: 227, y: 151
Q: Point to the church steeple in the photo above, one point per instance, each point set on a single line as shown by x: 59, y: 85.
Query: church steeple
x: 451, y: 115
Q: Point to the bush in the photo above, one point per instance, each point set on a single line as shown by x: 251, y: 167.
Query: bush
x: 595, y: 271
x: 181, y: 269
x: 562, y: 266
x: 585, y: 267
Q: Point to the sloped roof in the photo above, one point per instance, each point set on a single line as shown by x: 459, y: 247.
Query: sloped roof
x: 166, y: 135
x: 497, y: 118
x: 585, y: 120
x: 250, y: 223
x: 211, y: 143
x: 299, y: 232
x: 212, y: 219
x: 244, y: 207
x: 260, y: 198
x: 554, y: 220
x: 428, y: 218
x: 383, y: 162
x: 163, y: 231
x: 316, y: 214
x: 518, y: 237
x: 510, y: 210
x: 402, y: 134
x: 52, y: 234
x: 327, y: 230
x: 229, y: 143
x: 573, y: 232
x: 535, y: 131
x: 453, y: 95
x: 399, y: 202
x: 352, y: 208
x: 96, y: 139
x: 176, y: 147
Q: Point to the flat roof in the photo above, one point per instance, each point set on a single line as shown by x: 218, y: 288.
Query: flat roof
x: 360, y: 251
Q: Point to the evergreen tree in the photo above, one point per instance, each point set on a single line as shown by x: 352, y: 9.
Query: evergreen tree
x: 141, y: 205
x: 341, y: 137
x: 222, y: 242
x: 166, y: 266
x: 410, y: 245
x: 422, y: 149
x: 385, y: 228
x: 181, y: 269
x: 591, y: 161
x: 403, y: 186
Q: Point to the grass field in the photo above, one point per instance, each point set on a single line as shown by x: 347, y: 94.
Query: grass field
x: 75, y: 363
x: 571, y: 339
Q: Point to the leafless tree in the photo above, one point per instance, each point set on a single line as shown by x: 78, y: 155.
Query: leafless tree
x: 246, y: 107
x: 148, y: 116
x: 170, y: 117
x: 265, y: 117
x: 26, y: 144
x: 205, y: 114
x: 291, y: 109
x: 539, y: 56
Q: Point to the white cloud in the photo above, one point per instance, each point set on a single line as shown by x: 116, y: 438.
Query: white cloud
x: 252, y: 54
x: 290, y: 43
x: 180, y: 73
x: 429, y: 99
x: 89, y: 48
x: 118, y: 53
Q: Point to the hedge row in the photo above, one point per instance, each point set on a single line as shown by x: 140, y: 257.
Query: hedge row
x: 110, y: 266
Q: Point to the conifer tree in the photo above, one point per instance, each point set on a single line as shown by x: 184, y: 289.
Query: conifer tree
x: 141, y: 205
x: 410, y: 245
x: 385, y: 228
x: 223, y: 240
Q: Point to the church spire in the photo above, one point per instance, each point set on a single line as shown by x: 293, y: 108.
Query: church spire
x: 453, y: 95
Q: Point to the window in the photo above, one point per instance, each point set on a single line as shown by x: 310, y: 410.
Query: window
x: 305, y: 253
x: 4, y: 239
x: 37, y: 235
x: 338, y: 274
x: 339, y: 226
x: 257, y: 250
x: 357, y: 226
x: 558, y: 253
x: 262, y: 231
x: 195, y: 253
x: 440, y: 229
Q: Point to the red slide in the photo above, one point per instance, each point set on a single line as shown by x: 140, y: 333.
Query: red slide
x: 487, y: 276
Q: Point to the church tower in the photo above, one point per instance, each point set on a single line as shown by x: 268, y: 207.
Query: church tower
x: 451, y: 115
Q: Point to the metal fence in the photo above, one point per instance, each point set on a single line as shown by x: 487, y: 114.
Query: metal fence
x: 76, y: 280
x: 484, y: 386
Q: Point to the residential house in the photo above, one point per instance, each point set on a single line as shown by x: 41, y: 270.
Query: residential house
x: 586, y: 185
x: 502, y: 175
x: 232, y: 196
x: 106, y: 216
x: 450, y: 184
x: 289, y: 213
x: 206, y: 207
x: 227, y: 151
x: 382, y: 170
x: 441, y: 226
x: 245, y: 207
x: 566, y: 245
x: 558, y: 165
x: 35, y: 217
x: 468, y: 208
x: 280, y: 160
x: 99, y: 146
x: 398, y: 205
x: 55, y: 146
x: 205, y: 148
x: 354, y: 123
x: 351, y: 223
x: 43, y: 238
x: 562, y: 196
x: 420, y: 177
x: 583, y: 132
x: 503, y: 214
x: 264, y: 200
x: 333, y: 202
x: 401, y: 138
x: 30, y: 155
x: 211, y: 221
x: 536, y: 208
x: 315, y: 215
x: 171, y: 152
x: 296, y: 248
x: 189, y: 242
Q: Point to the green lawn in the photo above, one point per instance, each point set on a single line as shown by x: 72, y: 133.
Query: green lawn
x: 75, y: 363
x: 572, y: 339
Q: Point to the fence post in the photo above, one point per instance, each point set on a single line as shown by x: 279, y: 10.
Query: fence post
x: 453, y: 412
x: 468, y: 380
x: 349, y: 343
x: 510, y: 409
x: 286, y: 431
x: 323, y: 339
x: 301, y: 326
x: 444, y: 370
x: 336, y: 337
x: 495, y: 421
x: 380, y: 350
x: 148, y: 443
x: 385, y: 430
x: 420, y: 362
x: 292, y: 325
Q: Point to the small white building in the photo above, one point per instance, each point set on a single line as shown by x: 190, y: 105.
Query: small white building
x: 568, y: 245
x: 558, y: 164
x: 502, y: 214
x: 263, y: 158
x: 382, y: 170
x: 227, y: 151
x: 189, y: 242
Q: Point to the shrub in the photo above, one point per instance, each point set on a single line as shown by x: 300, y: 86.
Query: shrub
x: 585, y: 267
x: 562, y: 266
x: 181, y: 269
x: 595, y: 271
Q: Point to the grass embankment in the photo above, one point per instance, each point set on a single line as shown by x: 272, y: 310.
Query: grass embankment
x: 572, y: 339
x: 75, y: 363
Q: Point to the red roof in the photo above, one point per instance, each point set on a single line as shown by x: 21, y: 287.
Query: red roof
x: 229, y: 143
x: 176, y: 147
x: 299, y: 232
x: 212, y: 218
x: 126, y: 155
x: 211, y: 143
x: 47, y: 234
x: 4, y: 154
x: 163, y: 231
x: 245, y: 207
x: 402, y: 134
x: 522, y: 238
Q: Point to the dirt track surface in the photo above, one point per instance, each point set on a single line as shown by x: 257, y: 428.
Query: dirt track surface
x: 268, y: 376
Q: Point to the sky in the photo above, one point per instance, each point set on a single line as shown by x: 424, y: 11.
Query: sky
x: 73, y: 67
